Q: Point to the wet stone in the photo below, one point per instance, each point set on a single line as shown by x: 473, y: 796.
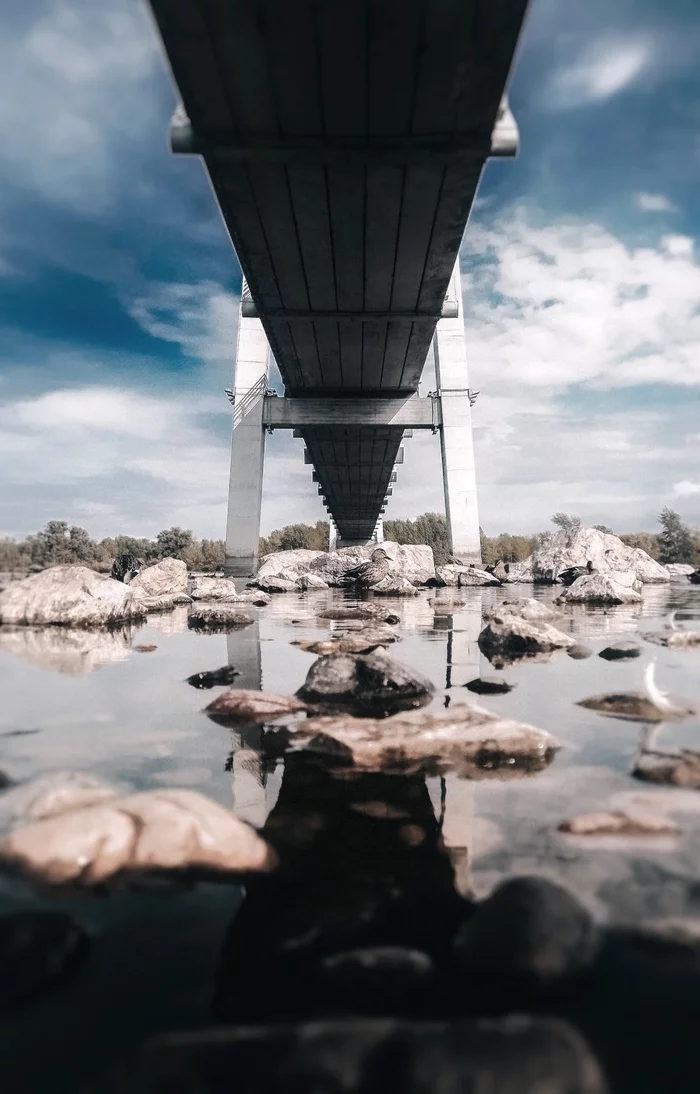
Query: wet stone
x: 252, y: 707
x: 624, y: 650
x: 620, y: 823
x: 53, y: 793
x: 579, y: 652
x: 670, y: 768
x: 145, y: 649
x: 510, y: 638
x: 215, y: 678
x: 487, y: 686
x: 630, y: 705
x: 371, y: 611
x: 367, y: 683
x: 218, y: 617
x: 363, y: 641
x: 676, y: 640
x: 38, y: 950
x: 529, y: 934
x: 524, y: 608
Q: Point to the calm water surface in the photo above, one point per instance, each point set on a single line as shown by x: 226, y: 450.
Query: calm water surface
x: 96, y: 703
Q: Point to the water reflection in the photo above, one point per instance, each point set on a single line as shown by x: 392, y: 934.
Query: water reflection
x: 65, y: 650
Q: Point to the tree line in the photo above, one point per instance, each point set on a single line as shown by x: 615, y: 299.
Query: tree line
x: 59, y: 543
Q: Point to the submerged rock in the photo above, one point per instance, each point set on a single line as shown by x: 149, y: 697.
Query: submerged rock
x: 214, y: 678
x: 473, y: 741
x: 674, y: 639
x: 70, y: 596
x: 256, y: 597
x: 53, y: 793
x: 624, y: 650
x: 363, y: 641
x: 366, y: 612
x: 482, y: 686
x: 165, y: 578
x: 620, y: 823
x: 38, y: 950
x: 513, y: 1055
x: 633, y: 706
x: 212, y: 588
x: 670, y: 768
x: 247, y: 705
x: 599, y: 589
x: 370, y: 682
x: 158, y: 832
x: 579, y: 652
x: 510, y: 637
x: 217, y: 617
x: 463, y: 576
x: 524, y: 608
x: 528, y: 934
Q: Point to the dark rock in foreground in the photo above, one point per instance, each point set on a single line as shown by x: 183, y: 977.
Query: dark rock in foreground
x: 252, y: 707
x: 369, y: 683
x: 38, y: 950
x: 624, y: 650
x: 215, y: 678
x: 515, y: 1055
x: 527, y: 935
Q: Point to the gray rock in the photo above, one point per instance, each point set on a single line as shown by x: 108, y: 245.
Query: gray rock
x: 472, y: 741
x: 217, y: 617
x: 393, y: 585
x: 165, y: 578
x: 366, y: 613
x: 558, y: 551
x: 529, y: 933
x: 674, y: 639
x: 633, y: 706
x: 524, y: 608
x: 510, y: 637
x: 309, y: 581
x: 670, y: 768
x: 256, y: 597
x: 273, y: 564
x: 599, y: 589
x: 579, y: 652
x: 463, y: 576
x: 370, y: 682
x: 363, y: 641
x: 70, y: 596
x: 203, y: 587
x: 277, y: 585
x: 624, y: 650
x: 38, y: 950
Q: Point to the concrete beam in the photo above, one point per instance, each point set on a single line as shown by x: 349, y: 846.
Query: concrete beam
x: 414, y: 411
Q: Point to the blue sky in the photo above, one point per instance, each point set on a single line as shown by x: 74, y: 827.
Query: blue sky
x: 119, y: 288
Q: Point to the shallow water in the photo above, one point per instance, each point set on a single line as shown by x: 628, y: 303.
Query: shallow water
x: 95, y: 702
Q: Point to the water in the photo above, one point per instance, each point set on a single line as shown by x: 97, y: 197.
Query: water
x: 165, y: 960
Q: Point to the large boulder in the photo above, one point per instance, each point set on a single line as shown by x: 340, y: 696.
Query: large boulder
x: 679, y: 569
x: 70, y: 596
x: 165, y: 578
x: 300, y: 560
x: 557, y: 551
x: 203, y: 587
x: 372, y: 682
x: 453, y: 574
x: 414, y: 562
x: 510, y: 637
x: 601, y: 589
x: 394, y: 585
x: 524, y: 607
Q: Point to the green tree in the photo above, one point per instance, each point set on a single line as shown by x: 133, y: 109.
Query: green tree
x: 567, y: 522
x: 604, y: 528
x: 675, y: 539
x: 174, y: 542
x: 645, y: 541
x: 59, y: 543
x: 213, y: 554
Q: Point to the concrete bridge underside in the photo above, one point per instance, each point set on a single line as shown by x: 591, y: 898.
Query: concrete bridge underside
x: 344, y: 140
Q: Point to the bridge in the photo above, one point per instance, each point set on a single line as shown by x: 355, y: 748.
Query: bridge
x: 344, y: 141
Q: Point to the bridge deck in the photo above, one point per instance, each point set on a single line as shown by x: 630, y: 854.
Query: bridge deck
x: 344, y: 140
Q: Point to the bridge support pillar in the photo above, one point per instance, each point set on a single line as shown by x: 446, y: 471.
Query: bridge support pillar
x: 456, y: 442
x: 247, y: 448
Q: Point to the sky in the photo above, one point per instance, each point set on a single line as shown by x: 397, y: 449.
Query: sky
x: 119, y: 289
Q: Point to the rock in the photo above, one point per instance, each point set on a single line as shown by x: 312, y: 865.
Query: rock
x: 632, y: 705
x: 70, y: 650
x: 598, y: 589
x: 529, y: 934
x: 524, y: 608
x: 258, y: 598
x: 214, y: 678
x: 510, y: 637
x: 624, y: 650
x: 367, y: 612
x: 579, y: 652
x: 299, y: 560
x: 679, y: 569
x: 167, y: 832
x: 381, y: 979
x: 500, y: 572
x: 481, y: 686
x: 312, y: 581
x: 670, y: 768
x: 463, y: 737
x: 153, y: 604
x: 53, y: 793
x: 414, y: 562
x: 513, y: 1055
x: 366, y: 682
x: 247, y: 705
x: 145, y: 649
x: 674, y: 639
x: 212, y: 588
x: 70, y: 596
x: 394, y: 586
x: 278, y: 585
x: 560, y: 550
x: 694, y: 578
x: 463, y: 576
x: 217, y: 617
x: 620, y: 823
x: 363, y: 641
x: 165, y: 578
x: 38, y: 950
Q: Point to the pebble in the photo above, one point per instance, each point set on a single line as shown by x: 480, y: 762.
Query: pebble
x: 579, y: 651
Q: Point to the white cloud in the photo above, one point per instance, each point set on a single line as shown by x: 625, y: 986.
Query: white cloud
x: 201, y: 318
x: 686, y: 488
x: 655, y: 203
x: 605, y: 67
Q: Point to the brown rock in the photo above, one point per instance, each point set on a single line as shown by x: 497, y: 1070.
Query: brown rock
x: 247, y: 705
x: 670, y: 768
x: 160, y: 831
x: 632, y: 706
x: 365, y: 683
x: 620, y: 823
x: 367, y: 612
